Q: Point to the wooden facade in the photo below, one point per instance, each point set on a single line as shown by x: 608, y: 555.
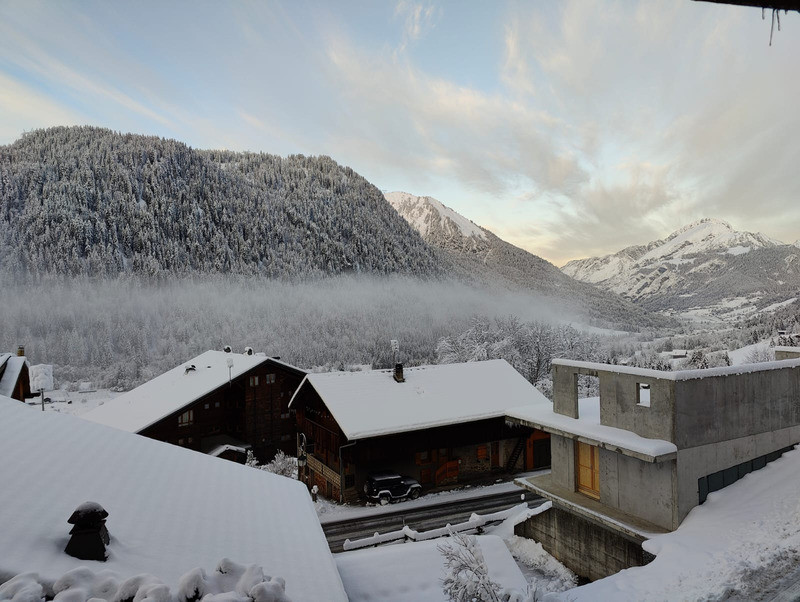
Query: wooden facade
x: 252, y: 409
x: 437, y: 456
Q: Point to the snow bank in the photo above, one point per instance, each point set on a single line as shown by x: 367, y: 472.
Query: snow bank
x: 230, y: 582
x: 739, y: 544
x: 413, y: 572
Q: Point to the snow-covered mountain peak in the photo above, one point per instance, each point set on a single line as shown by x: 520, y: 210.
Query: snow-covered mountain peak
x: 704, y: 236
x: 426, y: 214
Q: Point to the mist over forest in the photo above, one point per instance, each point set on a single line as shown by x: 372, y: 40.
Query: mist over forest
x: 122, y: 332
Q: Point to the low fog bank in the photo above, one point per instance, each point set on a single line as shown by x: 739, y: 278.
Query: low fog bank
x: 120, y: 333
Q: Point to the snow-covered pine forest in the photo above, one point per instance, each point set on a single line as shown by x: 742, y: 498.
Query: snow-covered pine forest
x: 89, y: 201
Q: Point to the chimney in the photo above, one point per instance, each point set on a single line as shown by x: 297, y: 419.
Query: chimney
x: 398, y: 373
x: 21, y: 351
x: 89, y: 534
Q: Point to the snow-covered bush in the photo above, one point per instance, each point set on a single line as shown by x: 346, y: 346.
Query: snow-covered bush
x: 281, y: 464
x: 466, y: 574
x: 759, y: 354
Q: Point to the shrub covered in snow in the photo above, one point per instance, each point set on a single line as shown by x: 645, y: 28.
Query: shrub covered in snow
x: 281, y: 464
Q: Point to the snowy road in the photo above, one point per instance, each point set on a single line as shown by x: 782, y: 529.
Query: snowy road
x: 422, y: 518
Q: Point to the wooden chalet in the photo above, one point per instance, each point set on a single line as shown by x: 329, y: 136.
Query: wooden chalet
x: 15, y: 379
x: 441, y: 424
x: 218, y: 403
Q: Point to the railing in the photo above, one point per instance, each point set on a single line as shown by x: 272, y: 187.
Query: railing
x: 476, y: 522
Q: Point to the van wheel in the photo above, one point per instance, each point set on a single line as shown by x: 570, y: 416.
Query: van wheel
x: 415, y: 493
x: 384, y: 499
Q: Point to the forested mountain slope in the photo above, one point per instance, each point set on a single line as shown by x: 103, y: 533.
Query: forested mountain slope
x: 477, y: 253
x: 85, y: 200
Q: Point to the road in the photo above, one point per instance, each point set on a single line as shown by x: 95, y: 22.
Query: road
x: 422, y: 518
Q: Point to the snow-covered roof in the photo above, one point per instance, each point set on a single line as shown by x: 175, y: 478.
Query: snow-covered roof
x: 370, y: 404
x: 10, y: 366
x: 588, y: 428
x: 170, y: 509
x: 681, y: 375
x: 166, y: 394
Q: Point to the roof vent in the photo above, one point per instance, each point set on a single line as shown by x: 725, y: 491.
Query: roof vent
x: 398, y: 373
x: 248, y: 351
x: 227, y: 349
x: 89, y: 534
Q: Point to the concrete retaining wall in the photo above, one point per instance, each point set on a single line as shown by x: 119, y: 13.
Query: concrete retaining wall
x: 587, y: 549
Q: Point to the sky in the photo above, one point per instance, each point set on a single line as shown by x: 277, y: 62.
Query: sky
x: 571, y: 128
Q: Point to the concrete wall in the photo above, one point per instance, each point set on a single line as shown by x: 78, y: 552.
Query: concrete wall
x: 562, y: 457
x: 619, y: 405
x: 696, y: 462
x: 642, y: 489
x: 587, y: 549
x: 721, y: 408
x: 787, y: 353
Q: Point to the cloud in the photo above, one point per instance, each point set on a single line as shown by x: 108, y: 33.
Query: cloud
x: 422, y: 122
x: 418, y: 17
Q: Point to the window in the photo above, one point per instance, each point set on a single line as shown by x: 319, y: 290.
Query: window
x: 186, y: 418
x: 180, y: 441
x: 285, y: 415
x: 349, y: 481
x: 423, y: 457
x: 254, y: 381
x: 483, y: 452
x: 205, y: 407
x: 216, y: 404
x: 643, y: 394
x: 270, y: 378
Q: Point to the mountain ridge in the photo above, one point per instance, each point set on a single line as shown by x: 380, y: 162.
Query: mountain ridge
x: 482, y: 254
x: 706, y: 267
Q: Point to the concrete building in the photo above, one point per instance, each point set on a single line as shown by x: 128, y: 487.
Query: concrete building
x: 655, y: 444
x: 786, y: 353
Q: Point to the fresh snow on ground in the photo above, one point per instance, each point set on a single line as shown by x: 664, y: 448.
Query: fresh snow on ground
x: 738, y: 544
x: 413, y: 572
x: 539, y: 567
x: 73, y: 402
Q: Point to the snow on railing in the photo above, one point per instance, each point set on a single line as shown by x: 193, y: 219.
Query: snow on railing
x: 476, y: 522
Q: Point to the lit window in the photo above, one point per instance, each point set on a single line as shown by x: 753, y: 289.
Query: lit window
x: 186, y: 418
